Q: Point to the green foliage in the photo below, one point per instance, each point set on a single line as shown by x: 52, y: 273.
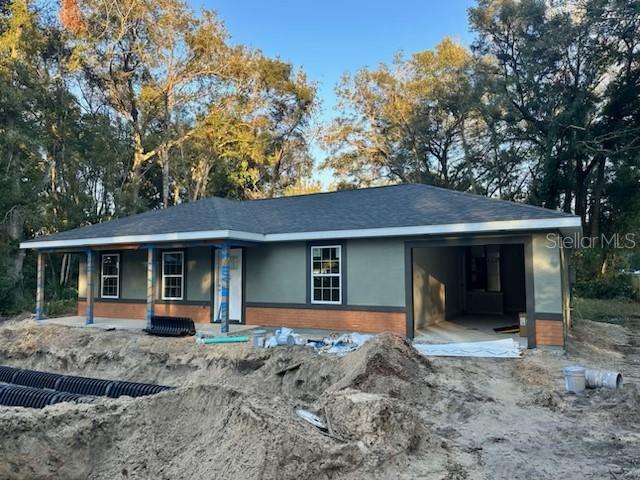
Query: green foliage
x: 608, y: 287
x: 610, y: 311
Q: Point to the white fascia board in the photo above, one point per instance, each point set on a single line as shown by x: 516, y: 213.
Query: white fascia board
x: 570, y: 223
x: 153, y: 238
x: 453, y: 228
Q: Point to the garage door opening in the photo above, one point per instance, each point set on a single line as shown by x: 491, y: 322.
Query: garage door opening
x: 467, y: 293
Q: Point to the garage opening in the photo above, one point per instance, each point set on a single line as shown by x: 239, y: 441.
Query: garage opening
x: 469, y: 292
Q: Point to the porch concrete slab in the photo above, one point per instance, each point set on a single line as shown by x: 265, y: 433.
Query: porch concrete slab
x: 105, y: 323
x: 209, y: 329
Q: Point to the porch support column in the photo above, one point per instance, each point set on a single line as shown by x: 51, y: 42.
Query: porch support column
x: 90, y: 288
x: 225, y: 275
x: 151, y: 283
x: 40, y: 288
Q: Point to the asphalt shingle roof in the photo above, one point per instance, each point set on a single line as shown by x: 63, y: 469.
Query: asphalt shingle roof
x: 379, y: 207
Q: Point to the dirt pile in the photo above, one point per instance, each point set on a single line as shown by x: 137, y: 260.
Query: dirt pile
x: 391, y: 412
x: 231, y: 417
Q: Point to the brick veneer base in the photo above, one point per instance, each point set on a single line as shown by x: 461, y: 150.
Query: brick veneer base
x: 354, y: 320
x: 137, y: 311
x: 549, y: 332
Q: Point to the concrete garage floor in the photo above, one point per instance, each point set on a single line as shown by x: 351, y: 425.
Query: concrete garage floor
x: 469, y: 328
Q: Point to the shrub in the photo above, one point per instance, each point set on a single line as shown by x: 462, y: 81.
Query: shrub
x: 617, y: 286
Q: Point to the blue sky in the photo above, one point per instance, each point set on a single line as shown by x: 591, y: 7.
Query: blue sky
x: 328, y: 37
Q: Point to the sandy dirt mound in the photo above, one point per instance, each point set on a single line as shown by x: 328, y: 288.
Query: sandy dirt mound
x: 391, y: 412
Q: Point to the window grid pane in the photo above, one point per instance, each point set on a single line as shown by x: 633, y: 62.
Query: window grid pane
x: 110, y: 275
x: 325, y: 273
x: 172, y: 275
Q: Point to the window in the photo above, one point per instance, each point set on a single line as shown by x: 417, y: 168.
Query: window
x: 110, y: 275
x: 172, y: 275
x: 326, y: 266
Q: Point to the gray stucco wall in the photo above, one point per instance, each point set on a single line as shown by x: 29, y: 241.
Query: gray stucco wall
x: 276, y: 273
x: 547, y: 276
x: 133, y: 268
x: 133, y: 274
x: 199, y: 274
x: 375, y: 272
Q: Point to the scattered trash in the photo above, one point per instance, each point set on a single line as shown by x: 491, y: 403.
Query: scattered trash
x: 574, y: 379
x: 284, y: 336
x: 341, y: 345
x: 337, y: 344
x: 311, y: 418
x: 507, y: 348
x: 208, y: 340
x: 603, y: 378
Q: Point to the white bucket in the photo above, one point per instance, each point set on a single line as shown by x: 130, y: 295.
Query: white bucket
x: 258, y: 336
x: 574, y: 379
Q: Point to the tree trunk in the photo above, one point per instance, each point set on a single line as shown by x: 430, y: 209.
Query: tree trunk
x: 164, y: 160
x: 275, y: 178
x: 467, y: 157
x: 132, y: 182
x: 15, y: 228
x: 596, y: 197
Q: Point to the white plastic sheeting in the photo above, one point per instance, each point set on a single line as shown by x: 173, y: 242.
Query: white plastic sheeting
x: 507, y: 348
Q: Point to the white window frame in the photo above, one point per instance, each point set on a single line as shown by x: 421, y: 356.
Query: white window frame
x: 103, y: 276
x: 173, y: 275
x: 321, y: 275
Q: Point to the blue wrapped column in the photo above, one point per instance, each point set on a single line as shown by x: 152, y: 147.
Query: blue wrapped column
x: 40, y: 288
x: 225, y: 275
x: 150, y: 283
x: 90, y: 288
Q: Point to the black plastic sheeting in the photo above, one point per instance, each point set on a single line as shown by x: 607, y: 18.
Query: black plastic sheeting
x: 33, y: 388
x: 171, y: 326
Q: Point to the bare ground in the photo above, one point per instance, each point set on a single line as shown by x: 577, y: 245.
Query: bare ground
x: 394, y: 414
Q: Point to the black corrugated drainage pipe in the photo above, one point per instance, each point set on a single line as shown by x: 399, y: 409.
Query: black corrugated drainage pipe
x: 67, y: 386
x: 19, y: 396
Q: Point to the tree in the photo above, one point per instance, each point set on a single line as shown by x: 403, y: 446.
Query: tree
x: 165, y: 71
x: 409, y: 123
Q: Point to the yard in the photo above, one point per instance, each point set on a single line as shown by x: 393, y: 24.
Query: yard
x: 393, y: 412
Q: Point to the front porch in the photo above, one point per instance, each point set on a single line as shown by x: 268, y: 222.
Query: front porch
x: 124, y: 286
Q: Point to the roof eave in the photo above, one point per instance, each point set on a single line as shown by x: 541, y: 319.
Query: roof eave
x: 566, y: 224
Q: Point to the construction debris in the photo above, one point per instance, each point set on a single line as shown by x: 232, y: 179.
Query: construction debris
x: 231, y: 339
x: 288, y: 368
x: 311, y: 418
x: 507, y: 348
x: 340, y: 344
